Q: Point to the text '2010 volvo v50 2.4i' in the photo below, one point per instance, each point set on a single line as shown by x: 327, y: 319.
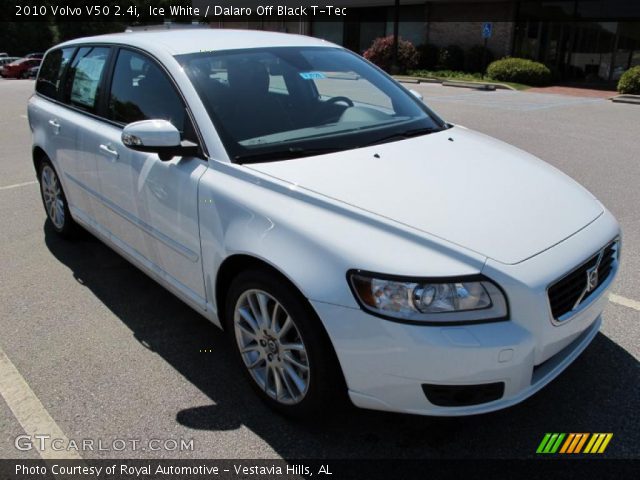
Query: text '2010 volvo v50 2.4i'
x: 348, y: 239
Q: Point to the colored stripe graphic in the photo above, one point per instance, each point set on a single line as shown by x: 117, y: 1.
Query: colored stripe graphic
x: 598, y: 442
x: 591, y: 442
x: 574, y: 442
x: 567, y: 442
x: 556, y: 445
x: 550, y: 443
x: 543, y: 443
x: 605, y: 443
x: 581, y: 442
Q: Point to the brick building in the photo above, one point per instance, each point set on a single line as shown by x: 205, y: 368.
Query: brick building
x: 595, y: 40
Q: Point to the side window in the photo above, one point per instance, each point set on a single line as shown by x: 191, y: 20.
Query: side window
x: 51, y: 70
x: 84, y: 77
x: 141, y: 91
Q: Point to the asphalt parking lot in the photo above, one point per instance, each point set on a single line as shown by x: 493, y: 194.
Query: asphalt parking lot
x: 109, y: 354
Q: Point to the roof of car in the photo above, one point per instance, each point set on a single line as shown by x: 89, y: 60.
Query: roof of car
x: 178, y: 42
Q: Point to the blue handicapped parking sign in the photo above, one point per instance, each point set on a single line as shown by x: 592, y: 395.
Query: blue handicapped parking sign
x: 487, y: 29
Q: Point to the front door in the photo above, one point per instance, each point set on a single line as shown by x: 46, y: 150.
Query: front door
x: 151, y: 205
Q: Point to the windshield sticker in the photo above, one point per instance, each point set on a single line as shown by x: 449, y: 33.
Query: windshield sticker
x: 312, y: 75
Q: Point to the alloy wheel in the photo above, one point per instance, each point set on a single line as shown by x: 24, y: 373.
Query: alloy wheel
x: 52, y: 195
x: 271, y: 347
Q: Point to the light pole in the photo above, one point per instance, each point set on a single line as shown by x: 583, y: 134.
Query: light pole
x: 394, y: 49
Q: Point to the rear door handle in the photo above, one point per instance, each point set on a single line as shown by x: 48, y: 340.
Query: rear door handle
x: 56, y: 126
x: 109, y: 150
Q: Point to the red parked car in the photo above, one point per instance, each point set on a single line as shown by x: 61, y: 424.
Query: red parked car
x: 19, y: 68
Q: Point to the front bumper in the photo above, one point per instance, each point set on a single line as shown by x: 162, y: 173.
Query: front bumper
x: 387, y: 364
x: 386, y: 367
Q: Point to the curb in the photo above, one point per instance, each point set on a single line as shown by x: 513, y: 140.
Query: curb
x: 488, y: 86
x: 627, y: 98
x: 477, y: 86
x: 403, y: 79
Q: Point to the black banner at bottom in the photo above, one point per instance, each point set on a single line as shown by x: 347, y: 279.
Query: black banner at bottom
x: 329, y: 469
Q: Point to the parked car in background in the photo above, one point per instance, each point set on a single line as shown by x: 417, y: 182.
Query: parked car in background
x: 33, y: 72
x: 39, y: 55
x: 19, y: 68
x: 348, y: 239
x: 3, y: 54
x: 6, y: 60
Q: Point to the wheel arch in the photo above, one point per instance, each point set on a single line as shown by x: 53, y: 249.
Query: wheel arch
x: 232, y: 266
x: 236, y: 263
x: 38, y: 155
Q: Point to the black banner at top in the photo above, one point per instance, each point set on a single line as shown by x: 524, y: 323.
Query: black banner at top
x: 215, y: 11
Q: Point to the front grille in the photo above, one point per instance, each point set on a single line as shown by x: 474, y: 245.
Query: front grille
x: 571, y: 290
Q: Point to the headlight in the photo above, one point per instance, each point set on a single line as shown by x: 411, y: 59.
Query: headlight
x: 470, y: 299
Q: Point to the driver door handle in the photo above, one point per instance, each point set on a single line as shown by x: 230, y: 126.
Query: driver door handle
x: 56, y: 126
x: 110, y: 151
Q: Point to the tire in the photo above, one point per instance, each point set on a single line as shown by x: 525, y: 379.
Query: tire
x: 55, y: 201
x: 302, y: 347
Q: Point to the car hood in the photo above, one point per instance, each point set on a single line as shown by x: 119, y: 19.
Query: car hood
x: 458, y: 185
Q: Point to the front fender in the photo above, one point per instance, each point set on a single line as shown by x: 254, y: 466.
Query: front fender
x: 310, y: 239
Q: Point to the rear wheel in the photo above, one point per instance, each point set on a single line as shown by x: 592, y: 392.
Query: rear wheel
x: 55, y: 202
x: 281, y: 345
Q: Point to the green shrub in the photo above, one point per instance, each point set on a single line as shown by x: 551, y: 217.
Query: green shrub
x: 519, y: 70
x: 474, y: 58
x: 428, y: 54
x: 381, y: 52
x: 630, y: 81
x: 450, y: 58
x: 445, y: 74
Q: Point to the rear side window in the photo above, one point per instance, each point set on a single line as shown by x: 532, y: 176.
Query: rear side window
x: 48, y: 83
x: 85, y: 75
x: 140, y: 90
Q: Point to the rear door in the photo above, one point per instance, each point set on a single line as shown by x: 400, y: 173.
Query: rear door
x: 151, y: 205
x: 54, y: 130
x: 80, y: 121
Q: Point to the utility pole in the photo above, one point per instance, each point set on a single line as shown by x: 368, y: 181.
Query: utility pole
x: 394, y: 50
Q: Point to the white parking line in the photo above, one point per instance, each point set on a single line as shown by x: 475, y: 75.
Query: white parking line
x: 17, y: 185
x: 625, y: 302
x: 29, y: 411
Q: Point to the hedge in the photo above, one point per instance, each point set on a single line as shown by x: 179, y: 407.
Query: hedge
x: 381, y: 52
x: 630, y: 81
x: 519, y: 70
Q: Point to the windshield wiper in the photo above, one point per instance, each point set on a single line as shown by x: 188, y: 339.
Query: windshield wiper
x: 416, y: 132
x: 284, y: 154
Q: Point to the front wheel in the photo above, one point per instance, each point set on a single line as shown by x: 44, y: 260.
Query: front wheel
x: 55, y: 202
x: 281, y: 345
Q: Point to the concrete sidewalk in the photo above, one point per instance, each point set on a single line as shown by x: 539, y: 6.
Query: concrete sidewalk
x: 574, y: 91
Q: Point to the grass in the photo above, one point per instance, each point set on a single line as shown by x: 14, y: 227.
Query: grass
x: 463, y: 76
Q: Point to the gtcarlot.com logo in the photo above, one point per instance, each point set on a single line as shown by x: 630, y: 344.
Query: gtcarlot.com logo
x: 574, y: 443
x: 45, y: 442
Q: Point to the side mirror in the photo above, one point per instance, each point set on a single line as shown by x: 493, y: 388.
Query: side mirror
x: 157, y: 136
x: 416, y: 94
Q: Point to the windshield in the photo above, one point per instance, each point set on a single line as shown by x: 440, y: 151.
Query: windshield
x: 286, y: 102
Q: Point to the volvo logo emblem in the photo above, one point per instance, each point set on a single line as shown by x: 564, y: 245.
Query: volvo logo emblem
x: 592, y: 280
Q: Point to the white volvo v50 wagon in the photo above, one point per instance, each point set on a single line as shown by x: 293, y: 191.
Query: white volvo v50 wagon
x: 348, y: 239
